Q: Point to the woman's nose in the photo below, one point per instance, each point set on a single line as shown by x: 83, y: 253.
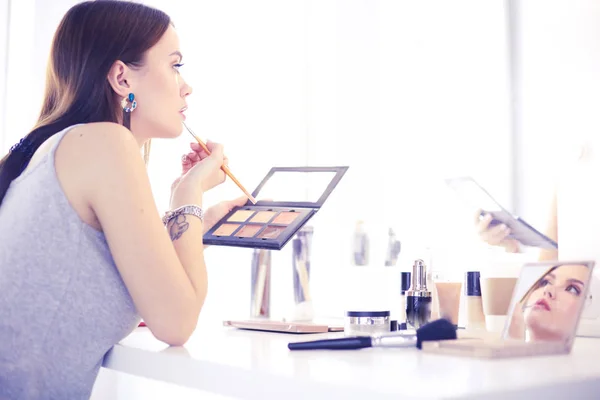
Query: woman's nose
x: 186, y: 90
x: 549, y: 291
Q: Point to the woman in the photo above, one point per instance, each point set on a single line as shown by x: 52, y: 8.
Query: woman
x: 551, y: 307
x: 83, y: 251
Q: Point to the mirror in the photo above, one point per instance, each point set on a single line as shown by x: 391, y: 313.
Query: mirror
x: 296, y: 186
x: 548, y: 301
x: 473, y: 194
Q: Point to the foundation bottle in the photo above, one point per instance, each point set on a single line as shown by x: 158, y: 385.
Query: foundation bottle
x: 473, y: 303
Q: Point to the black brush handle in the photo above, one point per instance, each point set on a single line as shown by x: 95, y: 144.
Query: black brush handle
x: 349, y: 343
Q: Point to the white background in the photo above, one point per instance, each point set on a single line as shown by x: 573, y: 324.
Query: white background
x: 558, y: 92
x: 4, y: 11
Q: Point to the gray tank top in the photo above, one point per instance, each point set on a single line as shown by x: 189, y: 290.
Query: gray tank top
x: 63, y: 303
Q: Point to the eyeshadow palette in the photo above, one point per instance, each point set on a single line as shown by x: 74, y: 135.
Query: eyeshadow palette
x: 279, y: 212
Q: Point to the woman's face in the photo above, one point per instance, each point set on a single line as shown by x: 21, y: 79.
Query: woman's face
x: 552, y: 309
x: 160, y: 91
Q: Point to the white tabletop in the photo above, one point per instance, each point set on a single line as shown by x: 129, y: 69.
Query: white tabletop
x: 258, y: 365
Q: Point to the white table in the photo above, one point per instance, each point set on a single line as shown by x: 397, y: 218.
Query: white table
x: 257, y: 365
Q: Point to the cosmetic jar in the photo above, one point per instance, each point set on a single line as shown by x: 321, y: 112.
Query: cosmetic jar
x: 367, y: 323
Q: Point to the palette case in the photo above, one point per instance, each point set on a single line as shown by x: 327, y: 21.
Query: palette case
x: 279, y: 212
x: 287, y: 327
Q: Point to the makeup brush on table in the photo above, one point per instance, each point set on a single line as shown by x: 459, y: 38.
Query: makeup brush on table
x: 441, y: 329
x: 224, y: 167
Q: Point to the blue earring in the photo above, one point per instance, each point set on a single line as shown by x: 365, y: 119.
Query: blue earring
x: 129, y: 103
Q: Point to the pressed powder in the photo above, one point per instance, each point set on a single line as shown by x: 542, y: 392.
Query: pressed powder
x: 367, y: 323
x: 287, y: 198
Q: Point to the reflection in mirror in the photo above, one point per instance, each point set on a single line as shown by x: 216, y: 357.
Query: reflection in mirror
x: 295, y: 186
x: 549, y: 302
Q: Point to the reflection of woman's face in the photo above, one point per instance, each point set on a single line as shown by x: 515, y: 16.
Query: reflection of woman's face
x: 553, y: 307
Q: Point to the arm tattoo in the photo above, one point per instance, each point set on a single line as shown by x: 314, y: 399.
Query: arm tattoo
x: 177, y: 227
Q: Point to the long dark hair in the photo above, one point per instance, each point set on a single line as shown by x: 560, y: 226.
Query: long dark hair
x: 90, y: 38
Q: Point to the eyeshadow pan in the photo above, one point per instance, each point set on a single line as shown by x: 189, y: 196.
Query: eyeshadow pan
x: 248, y: 231
x: 226, y: 229
x: 286, y: 217
x: 263, y: 216
x: 240, y: 216
x: 271, y: 232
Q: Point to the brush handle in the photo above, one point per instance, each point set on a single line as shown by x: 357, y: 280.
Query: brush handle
x: 349, y: 343
x: 238, y: 183
x: 303, y: 277
x: 259, y: 293
x: 224, y: 168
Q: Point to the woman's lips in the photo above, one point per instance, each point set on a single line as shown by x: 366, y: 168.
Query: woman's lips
x: 542, y: 304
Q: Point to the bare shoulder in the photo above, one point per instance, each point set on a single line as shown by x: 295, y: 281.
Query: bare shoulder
x: 97, y: 156
x: 102, y: 145
x: 94, y: 138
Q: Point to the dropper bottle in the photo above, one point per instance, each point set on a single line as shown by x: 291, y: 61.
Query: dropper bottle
x: 418, y: 297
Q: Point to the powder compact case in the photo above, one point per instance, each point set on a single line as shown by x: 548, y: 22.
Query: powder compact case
x: 279, y: 211
x: 367, y: 323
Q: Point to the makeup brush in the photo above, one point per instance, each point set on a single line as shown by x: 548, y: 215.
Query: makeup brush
x: 259, y: 295
x: 441, y: 329
x: 223, y: 167
x: 301, y: 268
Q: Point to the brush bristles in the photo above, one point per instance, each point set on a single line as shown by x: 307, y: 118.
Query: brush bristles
x: 441, y: 329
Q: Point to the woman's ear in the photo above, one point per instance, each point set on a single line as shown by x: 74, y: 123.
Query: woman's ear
x: 117, y: 78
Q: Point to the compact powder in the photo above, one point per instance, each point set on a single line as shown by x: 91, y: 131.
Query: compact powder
x: 286, y: 217
x: 248, y: 231
x: 271, y: 232
x: 263, y: 216
x: 240, y: 216
x: 226, y: 229
x: 270, y: 224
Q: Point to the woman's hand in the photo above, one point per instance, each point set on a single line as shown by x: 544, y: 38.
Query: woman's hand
x: 496, y: 235
x: 200, y: 172
x: 218, y: 211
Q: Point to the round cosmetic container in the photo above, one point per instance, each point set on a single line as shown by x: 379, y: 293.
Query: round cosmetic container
x: 367, y: 323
